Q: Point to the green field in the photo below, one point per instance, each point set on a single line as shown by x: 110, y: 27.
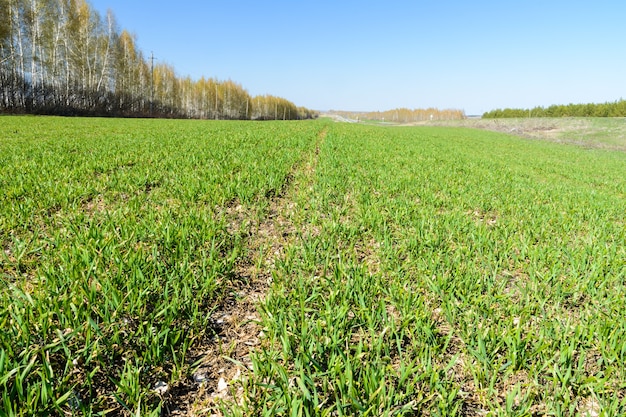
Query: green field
x: 434, y: 271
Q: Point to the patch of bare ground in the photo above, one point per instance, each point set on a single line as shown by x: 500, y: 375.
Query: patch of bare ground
x: 93, y: 204
x: 367, y: 254
x: 482, y: 217
x: 217, y: 376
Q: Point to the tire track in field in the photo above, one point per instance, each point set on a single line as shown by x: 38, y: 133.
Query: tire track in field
x: 227, y: 361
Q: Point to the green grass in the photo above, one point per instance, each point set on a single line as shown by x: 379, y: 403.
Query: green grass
x: 428, y: 270
x: 448, y: 272
x: 116, y: 250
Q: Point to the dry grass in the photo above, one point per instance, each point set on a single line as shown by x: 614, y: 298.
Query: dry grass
x: 604, y: 133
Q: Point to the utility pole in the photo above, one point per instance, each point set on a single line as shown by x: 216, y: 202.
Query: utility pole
x: 152, y: 58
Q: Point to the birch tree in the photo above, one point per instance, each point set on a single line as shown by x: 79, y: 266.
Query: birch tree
x: 63, y: 57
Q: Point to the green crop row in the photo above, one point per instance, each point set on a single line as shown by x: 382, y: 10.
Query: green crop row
x: 449, y: 272
x: 116, y: 247
x: 426, y: 271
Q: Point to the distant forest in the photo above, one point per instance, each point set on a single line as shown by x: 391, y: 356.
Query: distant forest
x: 609, y: 109
x: 62, y: 57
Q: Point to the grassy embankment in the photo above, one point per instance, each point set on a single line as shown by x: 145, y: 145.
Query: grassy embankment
x: 593, y: 132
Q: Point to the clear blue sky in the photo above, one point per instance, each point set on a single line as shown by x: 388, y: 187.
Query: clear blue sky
x: 374, y: 55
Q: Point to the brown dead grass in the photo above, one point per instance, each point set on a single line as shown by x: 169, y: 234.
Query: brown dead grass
x: 609, y: 133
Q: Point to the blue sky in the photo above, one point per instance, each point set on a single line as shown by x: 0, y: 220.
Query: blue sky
x: 374, y: 55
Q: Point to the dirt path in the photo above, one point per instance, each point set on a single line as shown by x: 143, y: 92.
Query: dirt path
x: 216, y: 378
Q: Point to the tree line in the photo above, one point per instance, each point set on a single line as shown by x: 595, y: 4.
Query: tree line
x: 608, y: 109
x: 62, y: 57
x: 404, y: 115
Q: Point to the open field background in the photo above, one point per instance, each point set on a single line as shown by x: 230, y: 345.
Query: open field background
x: 600, y: 132
x: 396, y: 270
